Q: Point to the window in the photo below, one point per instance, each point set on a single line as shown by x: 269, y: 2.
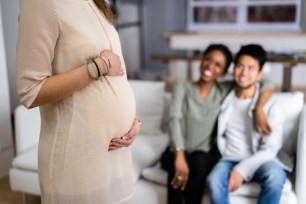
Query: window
x: 244, y: 15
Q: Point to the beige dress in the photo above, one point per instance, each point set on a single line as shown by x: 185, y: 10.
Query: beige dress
x: 74, y: 164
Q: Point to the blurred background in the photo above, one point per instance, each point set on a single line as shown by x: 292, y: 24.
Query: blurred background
x: 162, y: 40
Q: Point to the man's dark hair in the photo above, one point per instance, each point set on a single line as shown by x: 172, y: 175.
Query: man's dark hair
x: 222, y: 48
x: 255, y: 51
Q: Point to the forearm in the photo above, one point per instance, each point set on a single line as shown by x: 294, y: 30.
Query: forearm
x: 264, y: 97
x: 266, y: 90
x: 176, y: 134
x: 248, y: 167
x: 266, y: 152
x: 60, y: 86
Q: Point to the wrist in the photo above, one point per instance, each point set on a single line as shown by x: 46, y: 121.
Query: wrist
x: 258, y: 107
x: 92, y: 69
x: 101, y: 65
x: 179, y: 153
x: 106, y: 64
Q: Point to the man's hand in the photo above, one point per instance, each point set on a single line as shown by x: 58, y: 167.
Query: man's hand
x: 235, y: 181
x: 261, y: 122
x: 181, y: 171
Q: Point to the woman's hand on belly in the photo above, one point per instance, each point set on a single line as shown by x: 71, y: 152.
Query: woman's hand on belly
x: 112, y: 63
x: 127, y: 139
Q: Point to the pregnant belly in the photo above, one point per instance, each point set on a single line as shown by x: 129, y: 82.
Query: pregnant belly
x: 112, y: 107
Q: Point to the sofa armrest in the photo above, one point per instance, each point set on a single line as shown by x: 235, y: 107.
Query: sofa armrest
x: 27, y: 128
x: 300, y: 179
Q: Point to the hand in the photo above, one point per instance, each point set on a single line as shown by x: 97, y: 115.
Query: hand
x: 127, y: 139
x: 261, y: 123
x: 113, y: 62
x: 181, y: 171
x: 235, y: 181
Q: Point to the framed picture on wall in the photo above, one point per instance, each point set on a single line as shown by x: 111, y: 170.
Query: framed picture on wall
x: 244, y: 15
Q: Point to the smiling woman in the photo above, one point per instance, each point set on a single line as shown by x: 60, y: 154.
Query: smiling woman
x: 190, y: 121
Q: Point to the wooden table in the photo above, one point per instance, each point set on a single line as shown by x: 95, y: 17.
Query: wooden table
x: 288, y: 65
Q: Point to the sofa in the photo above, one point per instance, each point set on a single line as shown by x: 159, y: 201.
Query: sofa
x: 149, y: 178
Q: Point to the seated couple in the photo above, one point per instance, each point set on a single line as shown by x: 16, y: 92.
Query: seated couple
x: 229, y: 132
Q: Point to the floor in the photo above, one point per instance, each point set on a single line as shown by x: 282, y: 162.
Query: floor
x: 9, y: 197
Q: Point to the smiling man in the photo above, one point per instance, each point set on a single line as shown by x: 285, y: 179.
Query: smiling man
x: 245, y: 154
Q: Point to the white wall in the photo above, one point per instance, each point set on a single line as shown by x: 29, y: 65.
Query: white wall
x: 130, y: 37
x: 10, y: 12
x: 6, y: 150
x: 161, y: 16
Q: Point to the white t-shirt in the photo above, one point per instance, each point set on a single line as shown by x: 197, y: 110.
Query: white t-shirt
x: 238, y: 131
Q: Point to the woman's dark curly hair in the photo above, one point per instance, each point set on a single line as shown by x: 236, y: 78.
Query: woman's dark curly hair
x: 224, y: 50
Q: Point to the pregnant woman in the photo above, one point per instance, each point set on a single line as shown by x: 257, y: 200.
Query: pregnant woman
x: 70, y: 64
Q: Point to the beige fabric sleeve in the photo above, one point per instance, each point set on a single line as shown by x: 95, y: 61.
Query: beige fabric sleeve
x: 37, y: 36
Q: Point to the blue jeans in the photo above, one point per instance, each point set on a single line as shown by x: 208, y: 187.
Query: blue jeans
x: 270, y: 176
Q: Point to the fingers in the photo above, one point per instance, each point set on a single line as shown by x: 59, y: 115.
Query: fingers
x: 264, y: 131
x: 116, y: 71
x: 262, y: 125
x: 231, y: 183
x: 176, y: 181
x: 267, y: 129
x: 184, y: 183
x: 235, y: 181
x: 112, y: 148
x: 129, y: 135
x: 115, y: 145
x: 232, y: 186
x: 121, y: 72
x: 260, y: 130
x: 179, y: 181
x: 119, y: 142
x: 132, y: 132
x: 126, y: 140
x: 235, y: 186
x: 113, y: 63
